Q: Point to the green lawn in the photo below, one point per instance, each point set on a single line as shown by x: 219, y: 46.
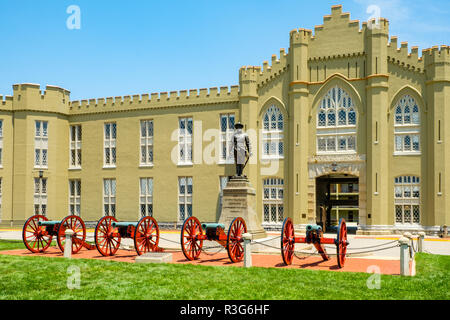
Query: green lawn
x: 46, y: 278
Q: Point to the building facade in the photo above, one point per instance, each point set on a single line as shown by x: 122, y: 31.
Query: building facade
x: 344, y: 124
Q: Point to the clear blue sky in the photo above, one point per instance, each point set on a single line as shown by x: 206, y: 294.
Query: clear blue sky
x: 143, y: 46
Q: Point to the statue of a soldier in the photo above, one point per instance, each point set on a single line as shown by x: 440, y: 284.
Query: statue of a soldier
x: 241, y: 148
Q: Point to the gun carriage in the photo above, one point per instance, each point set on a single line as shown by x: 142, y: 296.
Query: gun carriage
x: 314, y: 235
x: 109, y: 233
x: 38, y: 233
x: 193, y: 233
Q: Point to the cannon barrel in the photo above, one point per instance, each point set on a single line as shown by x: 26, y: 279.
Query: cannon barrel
x: 124, y: 224
x: 212, y: 226
x: 48, y: 223
x: 313, y: 228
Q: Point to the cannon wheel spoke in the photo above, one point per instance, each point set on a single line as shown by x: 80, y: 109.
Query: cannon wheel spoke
x: 76, y: 224
x: 35, y: 237
x: 341, y: 245
x: 234, y: 240
x: 146, y: 236
x: 191, y: 246
x: 106, y: 241
x: 287, y: 244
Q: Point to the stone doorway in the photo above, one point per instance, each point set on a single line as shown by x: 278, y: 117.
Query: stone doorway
x: 337, y: 196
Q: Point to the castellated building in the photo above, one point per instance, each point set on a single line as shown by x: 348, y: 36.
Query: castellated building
x: 347, y: 123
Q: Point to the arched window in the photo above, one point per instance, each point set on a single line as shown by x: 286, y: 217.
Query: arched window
x: 407, y: 200
x: 273, y: 195
x: 407, y: 126
x: 336, y: 123
x: 273, y: 127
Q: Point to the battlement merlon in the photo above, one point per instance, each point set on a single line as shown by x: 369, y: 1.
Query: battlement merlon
x: 300, y: 37
x: 248, y: 81
x: 6, y: 102
x: 157, y: 100
x: 29, y: 96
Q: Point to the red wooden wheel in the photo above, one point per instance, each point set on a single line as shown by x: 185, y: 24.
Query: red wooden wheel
x: 190, y: 244
x: 341, y: 245
x: 107, y: 239
x: 34, y: 236
x: 79, y: 233
x: 234, y: 240
x: 287, y: 241
x: 146, y: 235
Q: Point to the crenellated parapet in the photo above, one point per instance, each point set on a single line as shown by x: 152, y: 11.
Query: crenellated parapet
x: 156, y: 100
x: 437, y: 63
x: 28, y: 96
x: 6, y: 103
x: 275, y: 69
x: 402, y: 57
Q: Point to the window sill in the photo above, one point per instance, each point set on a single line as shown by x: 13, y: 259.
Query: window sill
x: 109, y: 167
x: 41, y: 168
x: 146, y: 166
x: 396, y: 154
x: 74, y: 168
x: 439, y: 142
x: 328, y: 153
x: 439, y: 194
x: 185, y: 164
x: 226, y: 162
x: 272, y: 158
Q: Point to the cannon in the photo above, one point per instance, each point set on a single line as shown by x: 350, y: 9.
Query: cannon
x: 38, y: 233
x: 314, y: 235
x: 109, y: 232
x: 193, y: 233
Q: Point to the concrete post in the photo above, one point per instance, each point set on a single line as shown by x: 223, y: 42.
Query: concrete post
x: 445, y: 231
x: 247, y: 249
x: 68, y: 245
x: 404, y: 256
x: 421, y: 242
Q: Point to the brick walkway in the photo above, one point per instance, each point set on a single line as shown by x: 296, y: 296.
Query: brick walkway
x: 221, y: 259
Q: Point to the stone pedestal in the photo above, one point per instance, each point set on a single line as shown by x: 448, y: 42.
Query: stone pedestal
x: 239, y: 200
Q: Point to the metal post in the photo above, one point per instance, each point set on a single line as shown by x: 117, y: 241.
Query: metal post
x: 404, y: 256
x: 68, y: 245
x: 421, y: 242
x: 247, y: 249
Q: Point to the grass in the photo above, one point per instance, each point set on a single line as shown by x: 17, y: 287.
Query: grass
x: 47, y: 278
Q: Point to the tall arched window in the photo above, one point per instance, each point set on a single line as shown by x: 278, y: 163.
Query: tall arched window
x: 273, y: 126
x: 407, y: 200
x: 407, y: 126
x: 336, y: 123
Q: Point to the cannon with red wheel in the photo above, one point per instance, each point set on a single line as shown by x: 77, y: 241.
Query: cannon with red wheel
x: 109, y: 232
x: 314, y: 235
x: 38, y: 233
x: 193, y: 233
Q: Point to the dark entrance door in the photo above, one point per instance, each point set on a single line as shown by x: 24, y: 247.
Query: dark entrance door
x: 337, y: 196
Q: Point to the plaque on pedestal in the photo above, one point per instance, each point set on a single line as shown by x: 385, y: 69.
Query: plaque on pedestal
x: 239, y: 200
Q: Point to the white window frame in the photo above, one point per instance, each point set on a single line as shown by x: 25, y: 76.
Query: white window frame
x: 109, y: 197
x: 40, y: 196
x: 407, y: 195
x: 273, y: 133
x: 185, y: 140
x: 185, y: 194
x: 146, y: 143
x: 110, y: 145
x: 75, y: 146
x: 273, y: 201
x: 41, y: 144
x: 75, y: 197
x: 226, y: 136
x: 333, y: 131
x: 145, y: 197
x: 407, y: 127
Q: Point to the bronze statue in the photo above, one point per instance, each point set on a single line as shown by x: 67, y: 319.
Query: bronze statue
x: 241, y: 148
